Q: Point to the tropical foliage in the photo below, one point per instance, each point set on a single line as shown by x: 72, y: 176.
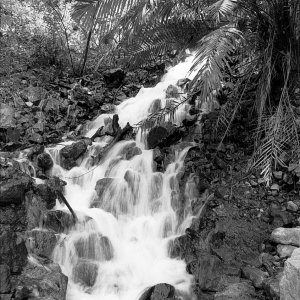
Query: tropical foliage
x: 241, y: 44
x: 246, y: 49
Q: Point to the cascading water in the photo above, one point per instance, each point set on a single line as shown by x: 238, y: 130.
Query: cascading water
x: 126, y: 212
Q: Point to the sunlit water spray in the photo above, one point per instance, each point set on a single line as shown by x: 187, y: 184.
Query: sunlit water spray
x: 127, y: 212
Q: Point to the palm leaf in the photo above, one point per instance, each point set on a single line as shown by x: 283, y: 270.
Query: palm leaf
x: 212, y: 56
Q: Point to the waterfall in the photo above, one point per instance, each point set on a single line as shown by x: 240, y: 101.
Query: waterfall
x: 126, y: 210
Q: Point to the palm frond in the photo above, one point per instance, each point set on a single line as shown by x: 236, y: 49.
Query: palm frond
x: 104, y: 10
x: 279, y: 132
x: 212, y: 56
x: 221, y: 9
x: 157, y: 40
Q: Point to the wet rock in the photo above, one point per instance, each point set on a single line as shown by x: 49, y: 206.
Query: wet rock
x: 13, y: 186
x: 4, y: 279
x: 155, y: 106
x: 94, y: 247
x: 42, y: 242
x: 156, y: 186
x: 43, y: 281
x: 207, y: 271
x: 237, y: 291
x: 290, y: 281
x: 44, y: 161
x: 71, y: 153
x: 156, y: 135
x: 58, y: 220
x: 164, y: 136
x: 181, y: 247
x: 130, y: 150
x: 114, y: 77
x: 47, y: 195
x: 74, y: 150
x: 285, y: 250
x: 286, y: 236
x: 35, y: 208
x: 103, y: 186
x: 158, y: 156
x: 161, y: 291
x: 85, y: 272
x: 255, y: 275
x: 35, y: 151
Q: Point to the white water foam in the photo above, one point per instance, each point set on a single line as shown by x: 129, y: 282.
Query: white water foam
x: 119, y: 248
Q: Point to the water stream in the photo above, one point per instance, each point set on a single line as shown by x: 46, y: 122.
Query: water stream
x: 119, y: 247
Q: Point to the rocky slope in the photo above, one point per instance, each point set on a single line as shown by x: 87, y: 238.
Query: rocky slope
x: 244, y: 240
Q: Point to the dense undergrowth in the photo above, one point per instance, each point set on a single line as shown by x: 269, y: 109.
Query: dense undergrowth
x: 246, y: 56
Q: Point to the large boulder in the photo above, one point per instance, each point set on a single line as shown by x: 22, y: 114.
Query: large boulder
x: 164, y: 136
x: 85, y: 272
x: 95, y: 247
x: 58, y: 220
x: 43, y: 281
x: 72, y: 152
x: 44, y: 161
x: 161, y: 291
x: 114, y: 77
x: 286, y: 236
x: 13, y: 186
x: 290, y: 281
x: 103, y: 186
x: 47, y: 194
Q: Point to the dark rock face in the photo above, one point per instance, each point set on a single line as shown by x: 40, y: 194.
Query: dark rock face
x: 44, y: 161
x: 161, y: 291
x: 156, y: 136
x: 74, y: 150
x: 46, y: 193
x: 44, y: 280
x: 71, y: 153
x: 13, y: 186
x: 114, y: 77
x: 42, y: 242
x: 58, y: 220
x: 164, y: 136
x: 13, y: 250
